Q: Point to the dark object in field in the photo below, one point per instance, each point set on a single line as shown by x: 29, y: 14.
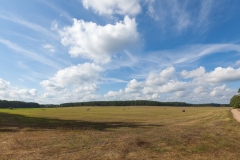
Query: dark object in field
x: 88, y: 109
x: 183, y: 110
x: 10, y: 108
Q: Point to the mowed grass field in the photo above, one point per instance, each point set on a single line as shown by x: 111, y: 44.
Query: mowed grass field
x: 119, y: 133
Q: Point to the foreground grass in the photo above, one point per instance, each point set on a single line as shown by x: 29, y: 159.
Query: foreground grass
x: 119, y: 133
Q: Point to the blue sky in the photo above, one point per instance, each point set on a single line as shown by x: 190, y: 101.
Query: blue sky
x: 87, y: 50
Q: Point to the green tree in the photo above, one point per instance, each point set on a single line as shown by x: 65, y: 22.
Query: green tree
x: 235, y: 100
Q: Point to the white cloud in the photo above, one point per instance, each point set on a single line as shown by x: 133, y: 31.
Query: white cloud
x: 75, y: 83
x: 154, y: 79
x: 9, y: 92
x: 49, y: 95
x: 49, y: 47
x: 205, y: 10
x: 188, y: 54
x: 87, y: 88
x: 36, y: 27
x: 237, y: 63
x: 113, y: 94
x: 218, y: 90
x: 78, y: 76
x: 201, y: 90
x: 175, y: 14
x: 4, y: 84
x: 64, y: 97
x: 155, y: 83
x: 170, y: 13
x: 158, y: 85
x: 184, y: 93
x: 108, y: 7
x: 220, y: 74
x: 173, y: 86
x: 133, y: 86
x: 151, y: 10
x: 99, y: 43
x: 194, y: 73
x: 34, y: 56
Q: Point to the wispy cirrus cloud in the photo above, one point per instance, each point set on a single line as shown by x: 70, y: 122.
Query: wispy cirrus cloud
x: 189, y: 53
x: 49, y: 47
x: 30, y: 54
x: 21, y: 21
x: 176, y: 15
x: 59, y: 10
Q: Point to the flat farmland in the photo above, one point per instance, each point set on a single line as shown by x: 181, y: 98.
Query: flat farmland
x: 119, y: 133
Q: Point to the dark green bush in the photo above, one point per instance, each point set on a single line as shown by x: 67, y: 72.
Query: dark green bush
x: 235, y: 101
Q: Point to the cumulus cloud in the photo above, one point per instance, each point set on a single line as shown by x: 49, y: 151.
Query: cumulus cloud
x: 87, y: 88
x: 154, y: 83
x: 71, y: 96
x: 220, y: 74
x: 203, y: 84
x: 133, y: 86
x: 182, y: 93
x: 99, y: 43
x: 200, y: 90
x: 49, y: 95
x: 106, y: 7
x: 75, y: 83
x: 218, y: 90
x: 173, y: 86
x: 114, y: 95
x: 160, y: 78
x: 9, y: 92
x: 82, y: 74
x: 194, y: 73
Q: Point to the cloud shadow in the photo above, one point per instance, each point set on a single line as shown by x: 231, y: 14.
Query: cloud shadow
x: 15, y: 123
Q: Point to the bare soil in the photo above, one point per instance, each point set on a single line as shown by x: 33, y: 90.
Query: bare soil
x: 236, y: 114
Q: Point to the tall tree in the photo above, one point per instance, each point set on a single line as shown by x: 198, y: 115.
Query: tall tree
x: 235, y: 100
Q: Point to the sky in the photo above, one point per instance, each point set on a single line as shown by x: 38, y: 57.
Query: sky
x: 54, y: 52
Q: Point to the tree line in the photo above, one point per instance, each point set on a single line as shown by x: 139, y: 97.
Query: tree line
x: 137, y: 103
x: 18, y: 104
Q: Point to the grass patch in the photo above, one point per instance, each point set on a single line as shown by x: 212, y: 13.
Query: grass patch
x: 115, y: 133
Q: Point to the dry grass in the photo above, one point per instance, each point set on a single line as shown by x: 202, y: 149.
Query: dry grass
x: 115, y: 133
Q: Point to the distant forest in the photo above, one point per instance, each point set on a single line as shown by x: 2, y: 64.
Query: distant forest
x: 137, y: 103
x: 19, y: 104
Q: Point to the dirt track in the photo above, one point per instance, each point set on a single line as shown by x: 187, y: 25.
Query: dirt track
x: 236, y: 114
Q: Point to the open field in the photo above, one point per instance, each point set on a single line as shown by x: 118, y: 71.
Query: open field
x: 119, y: 133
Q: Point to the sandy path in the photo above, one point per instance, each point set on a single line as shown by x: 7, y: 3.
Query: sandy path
x: 236, y: 114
